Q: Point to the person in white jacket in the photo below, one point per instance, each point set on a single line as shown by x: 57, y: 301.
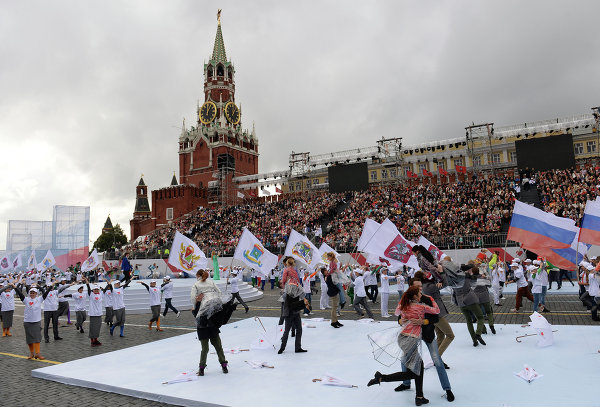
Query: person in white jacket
x: 234, y: 279
x: 154, y: 296
x: 324, y: 300
x: 360, y: 295
x: 539, y: 277
x: 167, y: 290
x: 385, y: 291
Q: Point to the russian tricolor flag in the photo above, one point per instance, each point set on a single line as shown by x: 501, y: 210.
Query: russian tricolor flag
x: 566, y: 258
x: 537, y: 229
x: 590, y: 226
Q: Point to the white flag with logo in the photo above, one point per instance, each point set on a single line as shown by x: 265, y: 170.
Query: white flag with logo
x: 186, y: 255
x: 431, y: 248
x: 251, y: 251
x: 302, y: 249
x: 17, y: 261
x: 368, y: 231
x: 240, y: 195
x: 381, y: 261
x: 32, y: 262
x: 5, y: 264
x: 324, y: 249
x: 266, y: 192
x: 47, y: 262
x: 388, y: 242
x: 91, y: 262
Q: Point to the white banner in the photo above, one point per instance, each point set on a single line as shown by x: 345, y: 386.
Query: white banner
x: 388, y: 242
x: 302, y: 249
x: 47, y: 262
x: 431, y: 248
x: 91, y: 262
x: 5, y: 264
x: 251, y: 251
x: 324, y: 249
x: 368, y: 231
x: 17, y: 261
x: 32, y: 262
x: 186, y: 255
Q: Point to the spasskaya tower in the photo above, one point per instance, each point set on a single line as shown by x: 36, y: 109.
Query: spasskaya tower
x: 217, y: 149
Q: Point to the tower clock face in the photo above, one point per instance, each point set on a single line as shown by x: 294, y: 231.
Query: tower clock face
x: 208, y: 112
x: 232, y: 113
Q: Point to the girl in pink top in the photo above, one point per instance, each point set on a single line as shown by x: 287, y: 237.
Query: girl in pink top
x: 412, y: 313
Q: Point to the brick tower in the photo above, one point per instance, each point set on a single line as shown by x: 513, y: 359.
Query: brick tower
x: 217, y: 149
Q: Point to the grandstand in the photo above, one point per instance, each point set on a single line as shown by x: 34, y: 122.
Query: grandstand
x: 453, y: 209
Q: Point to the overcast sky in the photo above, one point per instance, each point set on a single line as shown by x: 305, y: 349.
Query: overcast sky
x: 93, y: 93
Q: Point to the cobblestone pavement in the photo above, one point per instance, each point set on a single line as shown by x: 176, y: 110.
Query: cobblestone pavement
x: 18, y: 388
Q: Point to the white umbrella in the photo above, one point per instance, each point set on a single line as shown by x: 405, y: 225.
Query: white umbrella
x: 528, y: 374
x: 543, y: 329
x: 189, y: 376
x: 257, y: 364
x: 330, y: 380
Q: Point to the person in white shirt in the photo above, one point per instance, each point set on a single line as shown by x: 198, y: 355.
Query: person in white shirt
x: 51, y: 310
x: 154, y: 293
x: 522, y: 286
x: 539, y: 277
x: 360, y: 295
x: 63, y: 303
x: 324, y: 300
x: 371, y: 289
x: 236, y: 277
x: 167, y: 290
x: 79, y: 300
x: 119, y: 305
x: 496, y: 274
x: 593, y: 291
x: 95, y: 296
x: 385, y: 291
x: 32, y: 319
x: 7, y: 306
x: 108, y: 304
x: 307, y: 291
x: 400, y: 283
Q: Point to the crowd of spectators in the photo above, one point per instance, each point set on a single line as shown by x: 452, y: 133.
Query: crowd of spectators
x: 479, y: 208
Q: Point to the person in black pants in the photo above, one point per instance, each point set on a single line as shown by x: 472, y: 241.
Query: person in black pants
x: 564, y: 274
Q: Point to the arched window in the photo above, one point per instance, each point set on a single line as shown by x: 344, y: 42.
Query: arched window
x: 209, y: 71
x: 220, y: 70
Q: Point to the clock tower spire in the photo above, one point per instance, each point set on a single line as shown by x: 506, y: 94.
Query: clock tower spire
x: 218, y: 149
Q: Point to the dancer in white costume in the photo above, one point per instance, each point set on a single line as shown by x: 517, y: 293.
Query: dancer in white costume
x: 385, y: 291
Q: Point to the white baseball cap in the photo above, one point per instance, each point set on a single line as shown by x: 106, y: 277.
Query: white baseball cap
x: 167, y: 277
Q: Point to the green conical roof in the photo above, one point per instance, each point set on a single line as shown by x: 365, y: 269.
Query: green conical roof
x: 174, y: 181
x: 141, y: 181
x: 219, y: 54
x: 108, y: 224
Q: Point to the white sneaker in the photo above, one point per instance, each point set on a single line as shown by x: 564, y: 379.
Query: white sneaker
x: 386, y: 316
x: 178, y: 314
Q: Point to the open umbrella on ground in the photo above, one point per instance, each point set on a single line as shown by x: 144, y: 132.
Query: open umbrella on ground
x: 330, y: 380
x: 183, y: 377
x: 528, y: 374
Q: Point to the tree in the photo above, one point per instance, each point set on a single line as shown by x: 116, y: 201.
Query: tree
x: 112, y: 238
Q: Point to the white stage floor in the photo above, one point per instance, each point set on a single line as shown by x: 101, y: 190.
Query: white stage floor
x: 481, y: 376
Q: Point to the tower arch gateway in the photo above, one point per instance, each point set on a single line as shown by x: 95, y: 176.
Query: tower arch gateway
x: 211, y: 152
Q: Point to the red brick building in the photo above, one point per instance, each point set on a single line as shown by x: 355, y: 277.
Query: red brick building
x: 211, y: 153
